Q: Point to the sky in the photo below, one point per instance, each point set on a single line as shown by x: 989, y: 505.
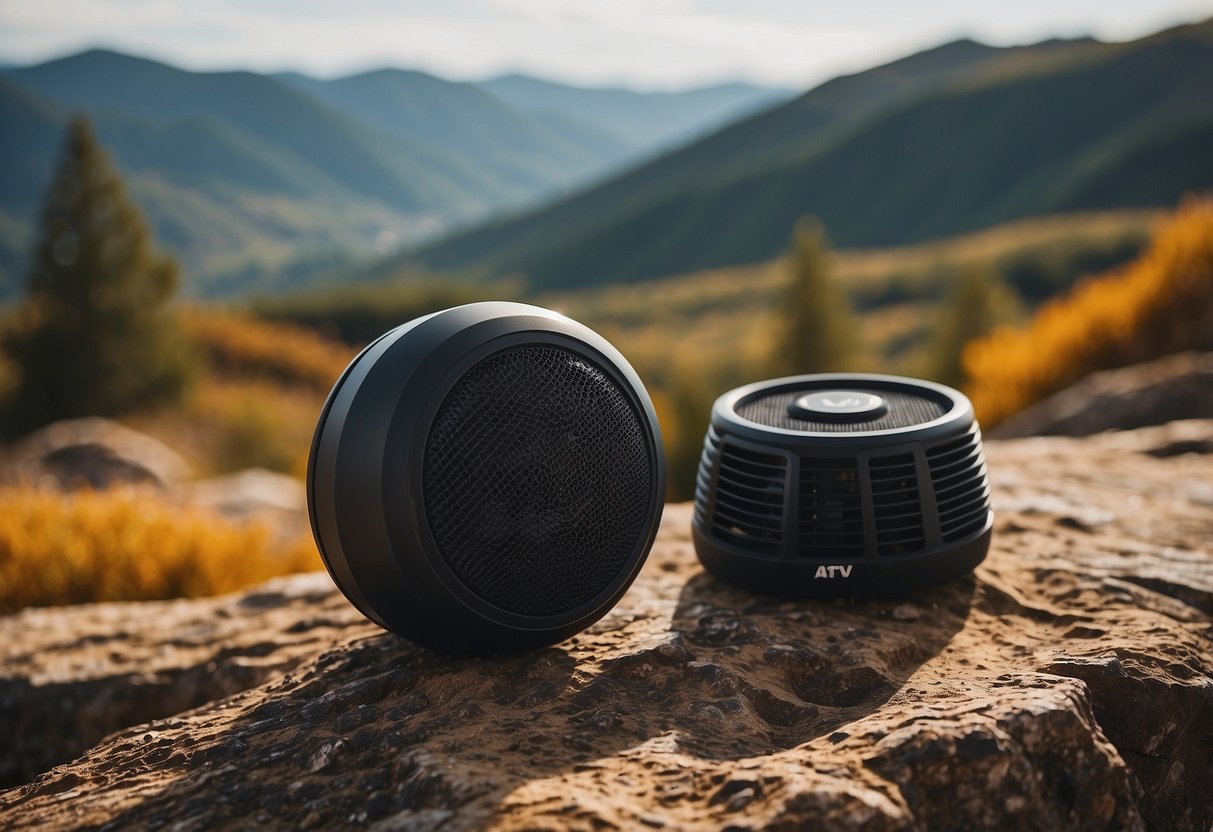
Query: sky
x: 646, y: 44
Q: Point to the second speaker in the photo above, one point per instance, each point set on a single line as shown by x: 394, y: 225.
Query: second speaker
x: 489, y: 476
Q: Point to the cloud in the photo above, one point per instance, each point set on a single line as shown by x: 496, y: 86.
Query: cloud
x: 650, y: 43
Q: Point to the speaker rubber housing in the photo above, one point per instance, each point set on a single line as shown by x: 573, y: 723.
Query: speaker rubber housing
x: 886, y: 494
x: 366, y: 490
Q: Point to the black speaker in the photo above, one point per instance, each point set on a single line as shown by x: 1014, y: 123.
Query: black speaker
x: 486, y: 477
x: 841, y: 484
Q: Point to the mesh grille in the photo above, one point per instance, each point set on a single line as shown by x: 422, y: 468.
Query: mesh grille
x: 904, y: 410
x: 831, y: 509
x: 537, y: 480
x: 962, y: 492
x: 895, y: 505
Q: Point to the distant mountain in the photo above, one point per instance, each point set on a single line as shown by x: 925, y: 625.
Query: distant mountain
x: 642, y: 120
x: 533, y: 155
x: 245, y: 175
x: 946, y: 141
x: 345, y: 154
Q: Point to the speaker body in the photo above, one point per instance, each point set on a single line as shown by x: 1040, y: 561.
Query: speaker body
x: 841, y: 484
x: 486, y: 477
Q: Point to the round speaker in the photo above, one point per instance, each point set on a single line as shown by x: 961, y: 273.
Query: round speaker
x: 834, y: 484
x: 486, y: 477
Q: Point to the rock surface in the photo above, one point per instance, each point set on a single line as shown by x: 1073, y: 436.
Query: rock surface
x: 1067, y: 685
x: 1175, y: 387
x: 93, y: 453
x: 71, y: 675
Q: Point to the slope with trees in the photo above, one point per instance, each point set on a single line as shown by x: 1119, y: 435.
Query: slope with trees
x: 1082, y: 127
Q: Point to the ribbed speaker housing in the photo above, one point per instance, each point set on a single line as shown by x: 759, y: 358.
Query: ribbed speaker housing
x: 841, y: 484
x: 487, y: 477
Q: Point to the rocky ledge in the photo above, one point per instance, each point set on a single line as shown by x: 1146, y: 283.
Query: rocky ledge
x: 1067, y: 685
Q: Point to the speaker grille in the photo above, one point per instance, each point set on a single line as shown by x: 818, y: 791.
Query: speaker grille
x: 831, y: 508
x: 537, y: 479
x: 896, y: 506
x: 905, y: 409
x: 962, y: 492
x: 749, y: 494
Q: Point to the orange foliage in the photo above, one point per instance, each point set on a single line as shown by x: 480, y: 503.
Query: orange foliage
x: 121, y: 545
x: 1159, y: 304
x: 239, y: 344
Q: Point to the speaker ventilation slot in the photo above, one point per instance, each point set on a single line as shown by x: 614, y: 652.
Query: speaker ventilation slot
x: 703, y: 477
x: 749, y: 495
x: 896, y: 505
x: 831, y: 509
x: 962, y: 494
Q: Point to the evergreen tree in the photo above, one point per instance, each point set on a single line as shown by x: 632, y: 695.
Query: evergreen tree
x: 817, y: 324
x: 976, y: 303
x: 97, y: 336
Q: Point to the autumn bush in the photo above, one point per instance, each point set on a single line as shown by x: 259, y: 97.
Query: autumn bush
x: 1159, y: 304
x: 238, y: 344
x: 121, y: 545
x: 259, y: 403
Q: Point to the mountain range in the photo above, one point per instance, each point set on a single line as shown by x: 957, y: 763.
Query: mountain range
x: 246, y: 176
x: 267, y: 182
x: 945, y: 141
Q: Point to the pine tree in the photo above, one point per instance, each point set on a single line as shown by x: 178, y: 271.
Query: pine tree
x: 817, y: 324
x: 977, y: 303
x: 97, y: 336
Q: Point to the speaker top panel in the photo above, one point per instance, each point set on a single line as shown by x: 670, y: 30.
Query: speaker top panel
x: 839, y: 405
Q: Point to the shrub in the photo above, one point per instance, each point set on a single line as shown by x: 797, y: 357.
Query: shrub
x: 1159, y: 304
x: 977, y: 303
x: 239, y: 345
x: 121, y: 545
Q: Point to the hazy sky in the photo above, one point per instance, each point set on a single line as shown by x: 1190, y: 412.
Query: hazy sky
x: 644, y: 43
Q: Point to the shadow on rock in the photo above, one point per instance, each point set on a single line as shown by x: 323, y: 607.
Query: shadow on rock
x: 369, y: 729
x: 769, y: 673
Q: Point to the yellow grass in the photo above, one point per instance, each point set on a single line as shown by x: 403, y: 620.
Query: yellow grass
x: 123, y: 545
x: 258, y: 405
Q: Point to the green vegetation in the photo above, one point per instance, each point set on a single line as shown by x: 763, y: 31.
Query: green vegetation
x: 359, y: 314
x: 694, y: 336
x: 817, y: 328
x: 95, y: 337
x: 976, y: 304
x: 1071, y: 127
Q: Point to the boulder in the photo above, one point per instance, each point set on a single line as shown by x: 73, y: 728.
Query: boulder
x: 1067, y: 684
x: 92, y: 452
x: 1176, y: 387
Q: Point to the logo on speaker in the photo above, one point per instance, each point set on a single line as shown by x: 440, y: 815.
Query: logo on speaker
x: 833, y: 571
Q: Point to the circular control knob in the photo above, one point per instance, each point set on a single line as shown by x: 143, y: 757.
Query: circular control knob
x: 838, y: 406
